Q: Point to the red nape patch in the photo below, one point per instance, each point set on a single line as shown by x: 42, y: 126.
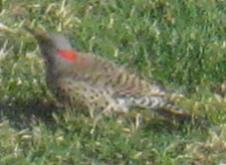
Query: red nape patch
x: 69, y: 55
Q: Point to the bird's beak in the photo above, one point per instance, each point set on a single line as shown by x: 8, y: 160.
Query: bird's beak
x: 40, y: 35
x: 5, y: 29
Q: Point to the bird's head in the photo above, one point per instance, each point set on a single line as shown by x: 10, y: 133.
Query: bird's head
x: 55, y: 47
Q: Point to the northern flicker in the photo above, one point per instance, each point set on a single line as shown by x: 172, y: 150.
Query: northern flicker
x: 99, y: 84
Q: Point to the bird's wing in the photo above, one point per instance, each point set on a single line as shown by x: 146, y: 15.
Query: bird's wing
x: 102, y: 72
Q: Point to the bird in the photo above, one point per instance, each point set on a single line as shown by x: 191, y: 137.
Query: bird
x: 85, y: 79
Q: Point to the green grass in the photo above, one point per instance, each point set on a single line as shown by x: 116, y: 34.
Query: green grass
x: 181, y: 44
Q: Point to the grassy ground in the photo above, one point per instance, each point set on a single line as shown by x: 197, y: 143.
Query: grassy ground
x: 182, y: 44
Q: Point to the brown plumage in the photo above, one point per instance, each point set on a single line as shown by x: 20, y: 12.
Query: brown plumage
x: 78, y: 78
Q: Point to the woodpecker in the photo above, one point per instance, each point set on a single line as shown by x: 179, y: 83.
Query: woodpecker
x: 77, y: 78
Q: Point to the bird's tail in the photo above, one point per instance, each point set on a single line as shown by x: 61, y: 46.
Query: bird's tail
x: 162, y: 105
x: 172, y: 111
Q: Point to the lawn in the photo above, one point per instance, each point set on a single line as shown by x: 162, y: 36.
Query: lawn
x: 179, y: 44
